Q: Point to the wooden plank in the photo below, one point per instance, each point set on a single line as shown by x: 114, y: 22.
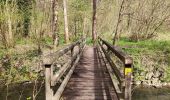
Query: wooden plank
x: 116, y: 71
x: 126, y: 59
x: 89, y: 80
x: 50, y: 58
x: 128, y: 94
x: 50, y: 79
x: 60, y: 90
x: 64, y: 83
x: 48, y: 89
x: 114, y: 81
x: 87, y: 98
x: 61, y: 72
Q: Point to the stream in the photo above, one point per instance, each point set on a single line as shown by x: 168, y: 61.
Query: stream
x: 22, y: 92
x: 25, y: 92
x: 151, y: 94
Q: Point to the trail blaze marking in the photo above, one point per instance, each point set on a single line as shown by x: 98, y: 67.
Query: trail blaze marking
x: 128, y: 70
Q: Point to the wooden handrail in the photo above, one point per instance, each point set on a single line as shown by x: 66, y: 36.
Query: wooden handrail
x: 115, y: 69
x: 126, y: 59
x: 125, y: 79
x: 60, y: 73
x: 50, y: 58
x: 67, y: 69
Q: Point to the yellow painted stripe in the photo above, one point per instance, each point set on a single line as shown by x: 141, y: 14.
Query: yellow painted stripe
x: 128, y: 70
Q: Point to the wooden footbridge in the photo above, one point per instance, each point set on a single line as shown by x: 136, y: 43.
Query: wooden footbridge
x: 91, y: 73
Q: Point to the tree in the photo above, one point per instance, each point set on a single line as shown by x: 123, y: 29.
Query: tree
x: 55, y: 22
x: 8, y: 20
x: 25, y: 7
x: 65, y: 21
x: 94, y: 34
x: 115, y: 38
x: 79, y: 17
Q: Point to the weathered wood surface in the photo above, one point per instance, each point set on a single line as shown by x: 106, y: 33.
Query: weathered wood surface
x: 125, y: 80
x: 119, y: 53
x: 52, y: 57
x: 65, y: 72
x: 90, y: 80
x: 113, y: 66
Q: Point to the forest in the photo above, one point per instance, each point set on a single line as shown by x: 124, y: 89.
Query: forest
x: 30, y: 29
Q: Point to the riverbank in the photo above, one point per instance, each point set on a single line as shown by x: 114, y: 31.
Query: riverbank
x: 23, y: 91
x: 151, y: 61
x: 143, y: 93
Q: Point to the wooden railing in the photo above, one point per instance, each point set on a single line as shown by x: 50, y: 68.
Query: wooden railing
x: 123, y: 85
x: 62, y: 75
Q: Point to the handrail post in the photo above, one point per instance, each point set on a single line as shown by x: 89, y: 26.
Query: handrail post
x: 125, y: 84
x: 128, y: 73
x: 48, y: 88
x: 79, y: 47
x: 72, y: 52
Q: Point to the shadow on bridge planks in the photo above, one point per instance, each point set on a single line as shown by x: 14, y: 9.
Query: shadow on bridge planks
x: 90, y: 80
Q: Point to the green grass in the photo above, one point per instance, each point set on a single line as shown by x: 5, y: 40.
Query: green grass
x: 89, y: 41
x: 23, y: 41
x: 156, y: 52
x: 147, y: 45
x: 2, y: 51
x: 47, y: 40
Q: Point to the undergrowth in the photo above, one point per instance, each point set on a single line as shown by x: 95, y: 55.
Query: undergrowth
x: 148, y: 53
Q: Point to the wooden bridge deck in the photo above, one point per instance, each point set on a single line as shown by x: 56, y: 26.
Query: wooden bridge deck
x: 90, y: 80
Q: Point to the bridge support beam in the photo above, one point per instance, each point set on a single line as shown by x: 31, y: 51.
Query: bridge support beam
x: 48, y: 88
x: 128, y: 72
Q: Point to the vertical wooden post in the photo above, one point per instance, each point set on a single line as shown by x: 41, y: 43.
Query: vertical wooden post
x: 72, y: 52
x: 80, y: 47
x: 48, y: 89
x: 128, y: 73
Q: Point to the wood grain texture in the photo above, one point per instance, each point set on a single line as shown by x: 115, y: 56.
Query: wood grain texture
x: 90, y: 80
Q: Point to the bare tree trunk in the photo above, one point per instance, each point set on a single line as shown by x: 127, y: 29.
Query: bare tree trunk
x: 94, y: 34
x: 9, y: 36
x: 65, y: 21
x: 54, y: 23
x: 119, y: 21
x: 75, y: 27
x: 84, y: 26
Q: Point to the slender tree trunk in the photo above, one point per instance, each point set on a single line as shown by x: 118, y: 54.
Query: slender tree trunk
x: 75, y: 27
x: 84, y: 26
x: 9, y: 36
x: 65, y: 21
x: 115, y: 38
x: 94, y: 34
x: 54, y: 23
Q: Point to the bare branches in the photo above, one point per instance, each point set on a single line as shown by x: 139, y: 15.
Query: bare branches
x: 118, y: 22
x: 8, y: 19
x: 147, y: 17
